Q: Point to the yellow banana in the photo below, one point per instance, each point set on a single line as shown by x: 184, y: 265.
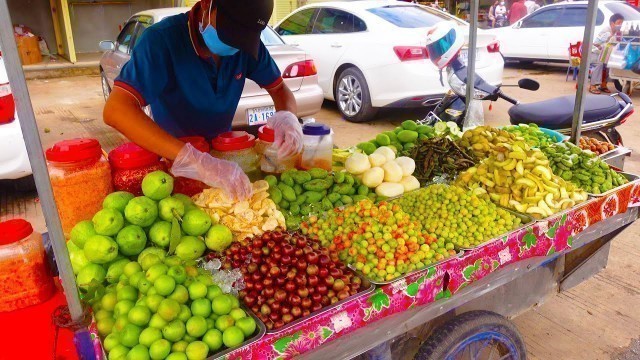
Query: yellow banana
x: 520, y: 168
x: 544, y: 172
x: 535, y: 210
x: 511, y: 165
x: 526, y: 182
x: 543, y: 205
x: 520, y: 155
x: 552, y: 191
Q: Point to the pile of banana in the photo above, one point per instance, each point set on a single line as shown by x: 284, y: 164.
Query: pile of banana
x: 518, y: 177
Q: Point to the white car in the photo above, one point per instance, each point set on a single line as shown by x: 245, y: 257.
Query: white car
x: 14, y: 161
x: 371, y: 54
x: 547, y: 33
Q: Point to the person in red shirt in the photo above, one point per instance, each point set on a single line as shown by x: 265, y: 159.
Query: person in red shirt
x: 518, y: 11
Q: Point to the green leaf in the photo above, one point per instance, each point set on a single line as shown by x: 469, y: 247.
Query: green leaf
x: 379, y: 300
x: 282, y: 344
x: 530, y: 240
x: 175, y: 236
x: 551, y: 233
x: 552, y: 250
x: 326, y: 332
x: 412, y: 289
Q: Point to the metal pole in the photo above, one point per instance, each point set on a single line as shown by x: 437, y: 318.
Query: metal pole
x: 471, y: 64
x: 36, y: 157
x: 587, y: 41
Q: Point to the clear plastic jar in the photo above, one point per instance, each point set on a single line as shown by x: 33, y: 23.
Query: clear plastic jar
x: 186, y: 186
x: 317, y: 151
x: 130, y: 164
x: 238, y: 146
x: 80, y: 178
x: 270, y: 162
x: 24, y: 276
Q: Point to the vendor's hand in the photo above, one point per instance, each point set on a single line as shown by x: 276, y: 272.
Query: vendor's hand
x: 227, y: 175
x: 288, y: 133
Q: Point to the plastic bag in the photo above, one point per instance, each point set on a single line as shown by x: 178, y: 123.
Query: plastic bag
x: 475, y: 115
x: 631, y: 57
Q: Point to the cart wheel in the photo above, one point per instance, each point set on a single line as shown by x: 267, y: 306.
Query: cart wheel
x: 474, y: 335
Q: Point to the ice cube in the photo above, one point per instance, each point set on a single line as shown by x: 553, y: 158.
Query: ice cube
x: 215, y: 264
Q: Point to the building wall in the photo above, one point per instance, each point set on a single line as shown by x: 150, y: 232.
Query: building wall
x: 36, y: 15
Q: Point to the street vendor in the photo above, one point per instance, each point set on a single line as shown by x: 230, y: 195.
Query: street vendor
x: 191, y: 69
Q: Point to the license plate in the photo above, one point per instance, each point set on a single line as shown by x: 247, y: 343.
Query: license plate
x: 259, y: 116
x: 464, y: 56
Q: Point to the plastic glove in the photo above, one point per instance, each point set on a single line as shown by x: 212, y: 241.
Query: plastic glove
x: 227, y: 175
x: 288, y: 133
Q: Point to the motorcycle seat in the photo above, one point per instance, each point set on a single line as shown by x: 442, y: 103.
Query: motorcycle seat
x: 557, y: 113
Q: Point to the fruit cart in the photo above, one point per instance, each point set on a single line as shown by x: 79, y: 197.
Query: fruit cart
x: 457, y: 304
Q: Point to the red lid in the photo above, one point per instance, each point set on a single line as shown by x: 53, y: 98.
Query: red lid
x: 233, y: 140
x: 14, y: 230
x: 197, y: 142
x: 75, y: 150
x: 132, y: 156
x: 266, y: 133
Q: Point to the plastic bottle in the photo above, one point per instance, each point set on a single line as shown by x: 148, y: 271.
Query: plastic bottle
x: 317, y: 151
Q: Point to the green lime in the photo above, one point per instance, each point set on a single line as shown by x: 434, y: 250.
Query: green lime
x: 105, y: 326
x: 177, y: 356
x: 235, y: 303
x: 111, y: 341
x: 172, y: 261
x: 174, y: 330
x: 190, y: 248
x: 170, y: 207
x: 197, y: 290
x: 144, y: 285
x: 109, y: 301
x: 197, y: 350
x: 196, y: 326
x: 141, y: 211
x: 138, y: 352
x: 201, y: 307
x: 129, y: 335
x: 224, y: 322
x: 107, y: 222
x: 120, y: 323
x: 180, y: 294
x: 179, y: 346
x: 77, y: 258
x: 178, y: 273
x: 213, y: 338
x: 232, y: 336
x: 157, y: 322
x: 117, y: 200
x: 247, y: 325
x: 237, y: 313
x: 92, y: 274
x: 186, y: 201
x: 102, y: 314
x: 123, y: 307
x: 155, y: 271
x: 131, y: 240
x: 157, y: 185
x: 218, y: 238
x: 115, y: 270
x: 136, y: 278
x: 100, y: 249
x: 169, y: 309
x: 81, y: 232
x: 164, y: 285
x: 160, y: 233
x: 128, y: 292
x: 118, y: 352
x: 139, y: 315
x: 196, y: 222
x: 185, y: 313
x: 149, y: 335
x: 221, y: 304
x: 213, y: 291
x: 159, y: 349
x: 205, y: 278
x: 131, y: 268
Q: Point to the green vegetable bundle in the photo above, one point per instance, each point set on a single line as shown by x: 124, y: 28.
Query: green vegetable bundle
x: 531, y: 134
x: 300, y: 193
x: 582, y: 168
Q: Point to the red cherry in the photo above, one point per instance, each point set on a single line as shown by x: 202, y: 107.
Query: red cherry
x: 267, y: 282
x: 324, y: 260
x: 312, y: 269
x: 276, y: 256
x: 256, y: 276
x: 285, y: 310
x: 250, y: 300
x: 258, y: 286
x: 291, y: 274
x: 329, y: 280
x: 303, y: 292
x: 257, y: 242
x: 298, y: 253
x: 296, y: 312
x: 307, y: 249
x: 316, y: 307
x: 276, y: 306
x: 338, y: 285
x: 266, y: 236
x: 281, y: 280
x: 312, y: 279
x: 268, y: 291
x: 287, y: 318
x: 301, y: 279
x: 287, y: 249
x: 295, y: 300
x: 274, y: 316
x: 323, y: 272
x: 286, y: 259
x: 280, y: 295
x: 266, y: 251
x: 335, y: 272
x: 322, y: 289
x: 278, y: 324
x: 265, y: 309
x: 256, y: 253
x: 301, y: 242
x: 313, y: 258
x: 325, y: 300
x: 317, y: 298
x: 306, y: 303
x: 306, y: 312
x: 301, y: 264
x: 290, y: 286
x: 248, y: 285
x: 264, y: 268
x: 274, y: 271
x: 343, y: 294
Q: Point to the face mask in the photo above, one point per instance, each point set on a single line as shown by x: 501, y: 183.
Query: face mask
x: 502, y: 4
x: 212, y: 40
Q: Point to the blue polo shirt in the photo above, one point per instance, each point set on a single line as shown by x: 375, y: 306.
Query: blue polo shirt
x: 189, y: 94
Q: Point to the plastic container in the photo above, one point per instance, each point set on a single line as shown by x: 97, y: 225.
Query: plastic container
x: 80, y: 178
x: 24, y: 277
x: 238, y: 146
x: 130, y: 164
x: 270, y: 162
x: 186, y: 186
x: 317, y: 151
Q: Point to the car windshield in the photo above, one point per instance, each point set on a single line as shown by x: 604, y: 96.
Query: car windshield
x: 270, y: 38
x: 624, y: 9
x: 408, y: 16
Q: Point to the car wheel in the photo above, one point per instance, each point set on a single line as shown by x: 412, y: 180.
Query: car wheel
x: 106, y: 89
x: 352, y: 96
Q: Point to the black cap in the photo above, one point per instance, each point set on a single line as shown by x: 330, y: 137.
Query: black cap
x: 240, y: 22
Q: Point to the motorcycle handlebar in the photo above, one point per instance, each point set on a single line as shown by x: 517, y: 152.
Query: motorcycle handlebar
x: 508, y: 98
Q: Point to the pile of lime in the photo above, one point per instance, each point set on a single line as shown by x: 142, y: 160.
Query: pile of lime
x: 161, y: 309
x: 532, y: 134
x: 401, y: 138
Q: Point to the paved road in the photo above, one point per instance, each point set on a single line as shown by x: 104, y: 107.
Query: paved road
x: 596, y: 320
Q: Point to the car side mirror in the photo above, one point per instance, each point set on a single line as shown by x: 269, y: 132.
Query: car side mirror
x: 106, y: 45
x: 528, y: 84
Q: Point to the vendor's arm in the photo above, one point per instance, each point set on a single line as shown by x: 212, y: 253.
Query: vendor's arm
x: 123, y: 113
x: 141, y: 81
x: 283, y: 98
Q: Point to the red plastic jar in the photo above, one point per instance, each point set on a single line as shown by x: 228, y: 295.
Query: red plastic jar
x: 130, y: 164
x: 24, y: 277
x: 238, y: 146
x: 186, y: 186
x: 80, y: 178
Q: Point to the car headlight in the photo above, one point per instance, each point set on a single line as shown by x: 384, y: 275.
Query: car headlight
x: 460, y: 88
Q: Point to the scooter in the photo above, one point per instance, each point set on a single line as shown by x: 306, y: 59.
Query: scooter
x: 602, y: 113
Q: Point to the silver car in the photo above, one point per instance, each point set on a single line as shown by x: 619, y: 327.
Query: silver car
x: 298, y: 70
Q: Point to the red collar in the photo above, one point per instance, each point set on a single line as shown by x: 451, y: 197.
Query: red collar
x: 195, y: 15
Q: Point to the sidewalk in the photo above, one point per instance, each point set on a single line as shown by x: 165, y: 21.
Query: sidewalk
x: 56, y: 66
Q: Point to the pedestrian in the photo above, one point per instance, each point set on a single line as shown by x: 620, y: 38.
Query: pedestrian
x: 531, y: 5
x: 191, y: 69
x: 598, y: 81
x: 500, y: 14
x: 518, y: 11
x: 492, y: 13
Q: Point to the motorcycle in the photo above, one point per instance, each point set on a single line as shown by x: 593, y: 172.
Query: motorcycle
x: 602, y: 113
